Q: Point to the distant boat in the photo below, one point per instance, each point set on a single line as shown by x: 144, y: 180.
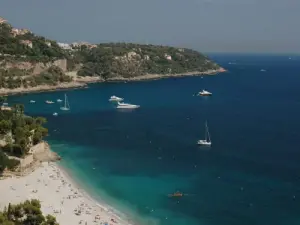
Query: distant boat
x: 115, y: 99
x: 206, y: 141
x: 262, y: 70
x: 59, y: 100
x: 176, y: 194
x: 49, y: 102
x: 32, y: 101
x: 127, y: 106
x: 55, y: 114
x: 204, y: 93
x: 4, y: 104
x: 66, y: 107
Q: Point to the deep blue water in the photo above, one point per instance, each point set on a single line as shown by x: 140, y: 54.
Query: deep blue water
x: 250, y: 175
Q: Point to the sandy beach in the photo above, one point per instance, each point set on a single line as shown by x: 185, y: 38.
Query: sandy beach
x: 59, y: 197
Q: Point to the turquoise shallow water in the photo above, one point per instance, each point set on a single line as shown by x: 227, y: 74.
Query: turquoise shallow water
x: 133, y: 160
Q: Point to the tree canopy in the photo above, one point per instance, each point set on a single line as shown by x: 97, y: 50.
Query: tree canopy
x: 42, y: 50
x: 19, y: 132
x: 26, y: 213
x: 129, y: 60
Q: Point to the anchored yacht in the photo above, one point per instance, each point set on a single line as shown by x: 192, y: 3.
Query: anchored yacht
x: 126, y: 106
x: 115, y: 99
x: 204, y: 93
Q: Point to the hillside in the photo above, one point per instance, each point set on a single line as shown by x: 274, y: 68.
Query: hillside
x: 32, y: 62
x: 18, y: 134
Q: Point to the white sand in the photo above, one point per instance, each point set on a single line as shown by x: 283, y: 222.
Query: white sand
x: 58, y: 195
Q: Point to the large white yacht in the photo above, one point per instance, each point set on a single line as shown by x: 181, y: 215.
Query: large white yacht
x: 204, y: 93
x: 122, y: 105
x: 115, y: 99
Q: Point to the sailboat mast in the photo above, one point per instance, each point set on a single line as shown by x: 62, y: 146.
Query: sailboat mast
x: 207, y: 133
x: 65, y: 101
x: 205, y: 130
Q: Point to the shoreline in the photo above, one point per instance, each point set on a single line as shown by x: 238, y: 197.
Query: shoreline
x: 123, y: 218
x: 83, y: 82
x: 60, y: 196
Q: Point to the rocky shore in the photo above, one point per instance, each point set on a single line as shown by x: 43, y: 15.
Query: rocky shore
x: 82, y: 82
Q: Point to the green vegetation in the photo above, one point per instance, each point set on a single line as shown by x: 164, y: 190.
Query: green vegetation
x: 27, y: 213
x: 5, y: 162
x: 19, y: 132
x: 40, y: 51
x: 110, y: 60
x: 129, y: 60
x: 15, y: 78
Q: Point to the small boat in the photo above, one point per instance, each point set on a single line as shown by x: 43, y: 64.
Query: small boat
x: 262, y: 70
x: 204, y: 93
x: 122, y: 105
x: 176, y: 194
x: 49, y: 102
x: 206, y: 141
x: 4, y: 104
x: 59, y: 100
x: 55, y: 114
x: 115, y: 99
x: 66, y: 107
x: 32, y: 101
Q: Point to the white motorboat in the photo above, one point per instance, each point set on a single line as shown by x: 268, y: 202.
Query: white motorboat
x: 32, y: 101
x: 206, y: 141
x: 204, y: 93
x: 55, y: 114
x: 115, y: 99
x: 66, y: 106
x: 59, y: 100
x: 49, y: 102
x: 122, y: 105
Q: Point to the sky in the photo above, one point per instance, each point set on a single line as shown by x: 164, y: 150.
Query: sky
x: 204, y: 25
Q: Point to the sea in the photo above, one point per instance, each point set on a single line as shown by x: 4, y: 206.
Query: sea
x: 133, y: 159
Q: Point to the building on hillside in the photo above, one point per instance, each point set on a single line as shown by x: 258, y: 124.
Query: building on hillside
x: 48, y: 43
x: 2, y: 20
x: 64, y: 46
x: 83, y: 43
x: 26, y: 42
x: 92, y: 46
x: 16, y: 32
x: 168, y: 57
x: 5, y: 108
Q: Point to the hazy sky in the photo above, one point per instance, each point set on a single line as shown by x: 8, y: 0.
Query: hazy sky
x: 206, y: 25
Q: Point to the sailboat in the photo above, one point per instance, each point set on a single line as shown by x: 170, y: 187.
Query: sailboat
x: 66, y: 107
x: 207, y: 141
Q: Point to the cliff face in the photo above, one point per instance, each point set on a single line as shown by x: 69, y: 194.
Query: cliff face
x: 34, y: 67
x: 130, y: 64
